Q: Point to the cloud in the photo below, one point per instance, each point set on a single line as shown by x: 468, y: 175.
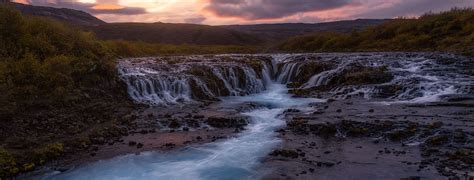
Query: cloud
x: 218, y: 12
x: 396, y: 8
x: 99, y: 7
x: 269, y: 9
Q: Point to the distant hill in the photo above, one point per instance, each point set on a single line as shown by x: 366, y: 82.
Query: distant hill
x: 169, y: 33
x: 222, y: 35
x: 63, y: 14
x: 451, y: 31
x: 286, y: 30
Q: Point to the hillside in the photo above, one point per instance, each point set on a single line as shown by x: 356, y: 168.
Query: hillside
x: 58, y: 86
x: 168, y: 33
x: 63, y: 14
x: 446, y: 31
x: 286, y: 30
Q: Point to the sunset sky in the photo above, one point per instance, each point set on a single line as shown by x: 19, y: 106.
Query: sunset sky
x: 217, y: 12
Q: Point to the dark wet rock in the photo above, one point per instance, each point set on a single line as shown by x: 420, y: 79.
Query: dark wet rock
x: 438, y: 140
x: 307, y: 70
x: 386, y: 91
x: 459, y: 135
x: 139, y: 145
x: 95, y: 148
x: 318, y: 112
x: 132, y: 143
x: 151, y: 115
x: 169, y: 145
x: 435, y: 125
x: 285, y: 153
x: 174, y: 124
x: 412, y: 178
x: 198, y: 116
x: 291, y: 111
x: 407, y: 132
x: 192, y: 123
x: 221, y: 122
x: 324, y: 130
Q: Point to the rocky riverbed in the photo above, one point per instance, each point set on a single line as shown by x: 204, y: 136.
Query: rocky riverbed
x: 300, y: 116
x: 356, y: 138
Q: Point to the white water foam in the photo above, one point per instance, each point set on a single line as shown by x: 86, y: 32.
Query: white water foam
x: 233, y: 158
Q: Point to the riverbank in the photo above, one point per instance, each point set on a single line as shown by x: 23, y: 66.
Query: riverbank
x: 334, y: 100
x: 160, y: 129
x: 366, y: 139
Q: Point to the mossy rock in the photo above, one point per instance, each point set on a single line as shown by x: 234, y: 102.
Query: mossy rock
x: 324, y: 130
x: 8, y: 164
x: 198, y: 93
x: 402, y: 134
x: 308, y: 70
x: 361, y: 75
x: 256, y: 65
x: 204, y: 73
x: 29, y: 167
x: 438, y: 140
x: 49, y: 152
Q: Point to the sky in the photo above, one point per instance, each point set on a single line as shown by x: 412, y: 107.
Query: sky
x: 222, y: 12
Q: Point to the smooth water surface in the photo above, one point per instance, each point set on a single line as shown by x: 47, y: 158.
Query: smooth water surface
x: 233, y: 158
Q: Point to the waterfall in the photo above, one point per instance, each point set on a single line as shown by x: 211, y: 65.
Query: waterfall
x: 418, y: 77
x: 158, y: 90
x: 157, y: 83
x: 287, y: 73
x: 267, y: 74
x: 323, y: 78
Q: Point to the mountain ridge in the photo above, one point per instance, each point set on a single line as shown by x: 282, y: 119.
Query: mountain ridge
x: 71, y: 16
x: 196, y: 34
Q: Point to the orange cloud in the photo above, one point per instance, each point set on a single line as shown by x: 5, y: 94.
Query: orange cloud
x: 107, y: 7
x: 21, y: 1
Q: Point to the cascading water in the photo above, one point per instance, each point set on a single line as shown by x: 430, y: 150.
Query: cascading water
x: 233, y: 158
x: 423, y: 77
x: 324, y: 77
x: 287, y: 73
x: 160, y: 83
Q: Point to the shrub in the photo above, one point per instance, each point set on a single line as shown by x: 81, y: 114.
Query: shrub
x: 446, y: 31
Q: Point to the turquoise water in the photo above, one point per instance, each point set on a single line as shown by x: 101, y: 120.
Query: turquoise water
x: 234, y: 158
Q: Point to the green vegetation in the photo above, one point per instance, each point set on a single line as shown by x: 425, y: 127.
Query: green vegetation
x: 59, y: 88
x: 446, y: 31
x: 44, y: 61
x: 133, y: 49
x: 177, y: 34
x: 53, y: 81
